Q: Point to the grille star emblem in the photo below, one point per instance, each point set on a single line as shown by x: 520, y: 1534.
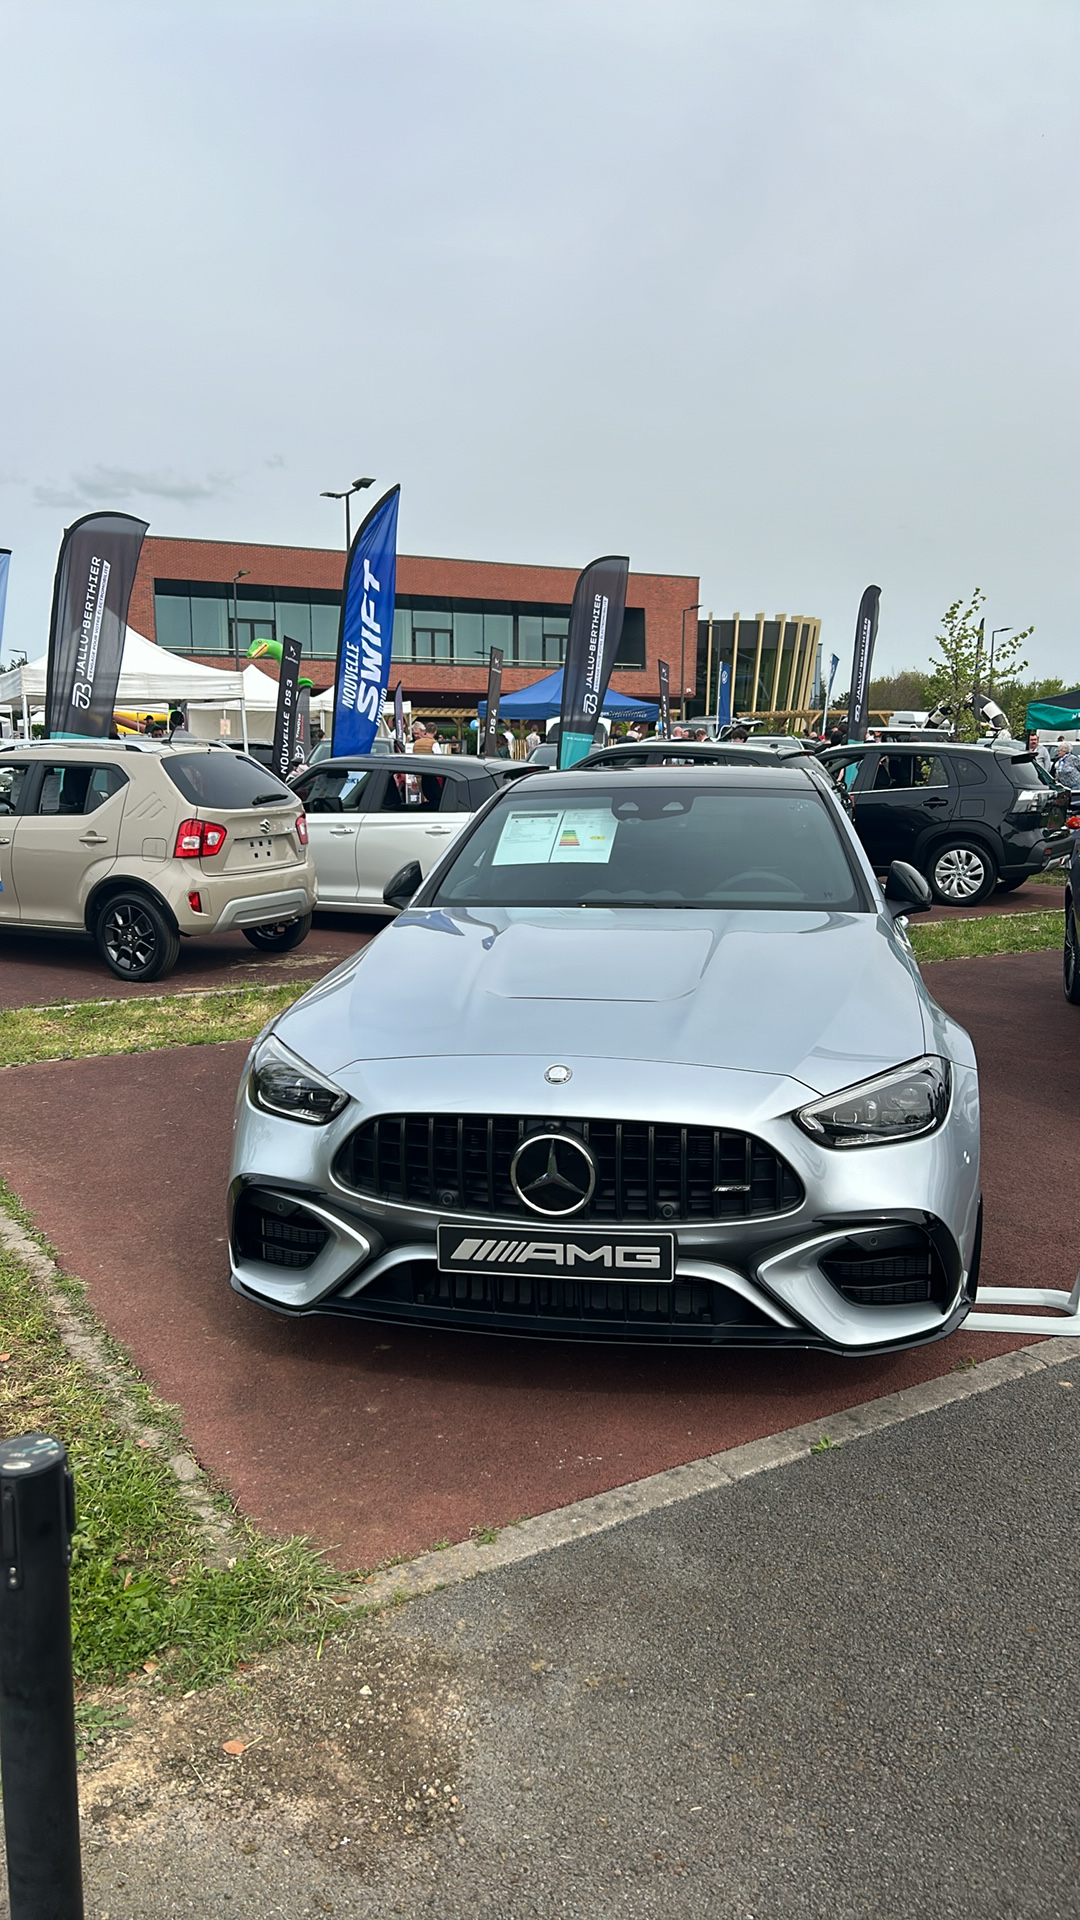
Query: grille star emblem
x: 553, y: 1174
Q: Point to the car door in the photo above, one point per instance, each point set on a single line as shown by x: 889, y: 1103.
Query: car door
x: 66, y: 839
x: 900, y: 794
x: 333, y: 798
x: 13, y: 786
x: 413, y: 815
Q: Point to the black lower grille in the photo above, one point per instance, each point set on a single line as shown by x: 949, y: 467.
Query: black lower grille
x: 277, y: 1231
x: 531, y: 1303
x: 894, y: 1267
x: 460, y: 1163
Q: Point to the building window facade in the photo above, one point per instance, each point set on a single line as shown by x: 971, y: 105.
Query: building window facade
x: 193, y: 616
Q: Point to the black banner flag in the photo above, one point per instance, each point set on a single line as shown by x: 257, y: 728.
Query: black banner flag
x: 865, y: 635
x: 665, y: 699
x: 286, y: 730
x: 94, y: 577
x: 494, y: 694
x: 596, y: 619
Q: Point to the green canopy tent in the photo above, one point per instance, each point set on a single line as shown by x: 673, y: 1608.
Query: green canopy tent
x: 1062, y: 712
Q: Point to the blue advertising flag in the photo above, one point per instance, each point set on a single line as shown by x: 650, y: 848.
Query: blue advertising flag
x: 723, y: 696
x: 366, y: 633
x: 5, y: 563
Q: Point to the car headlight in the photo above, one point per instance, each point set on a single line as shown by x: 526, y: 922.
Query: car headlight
x: 901, y: 1105
x: 283, y: 1083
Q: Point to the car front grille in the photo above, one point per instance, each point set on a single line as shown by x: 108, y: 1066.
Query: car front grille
x: 900, y: 1274
x: 277, y: 1231
x: 460, y: 1163
x: 524, y: 1303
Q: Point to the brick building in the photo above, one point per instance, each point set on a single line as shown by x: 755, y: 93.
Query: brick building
x: 449, y: 614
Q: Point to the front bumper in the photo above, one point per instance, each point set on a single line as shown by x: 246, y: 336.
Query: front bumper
x: 302, y: 1243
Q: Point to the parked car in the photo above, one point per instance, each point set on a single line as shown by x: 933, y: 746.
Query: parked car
x: 714, y: 753
x: 647, y: 1057
x: 970, y: 818
x: 144, y: 843
x: 369, y: 813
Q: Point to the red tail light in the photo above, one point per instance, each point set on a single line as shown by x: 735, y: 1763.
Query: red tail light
x: 1073, y: 821
x: 197, y: 837
x: 301, y: 829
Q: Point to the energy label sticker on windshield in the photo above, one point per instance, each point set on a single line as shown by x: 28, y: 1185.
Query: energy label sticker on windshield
x: 542, y: 839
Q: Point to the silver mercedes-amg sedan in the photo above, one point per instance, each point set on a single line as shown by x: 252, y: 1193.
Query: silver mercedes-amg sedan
x: 646, y: 1057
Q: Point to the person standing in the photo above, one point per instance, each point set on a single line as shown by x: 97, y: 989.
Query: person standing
x: 1042, y: 754
x: 532, y: 741
x: 422, y: 741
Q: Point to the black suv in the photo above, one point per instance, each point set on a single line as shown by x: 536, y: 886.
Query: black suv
x: 970, y: 818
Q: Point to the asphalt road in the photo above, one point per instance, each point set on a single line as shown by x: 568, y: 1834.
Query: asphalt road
x: 383, y: 1441
x: 841, y: 1690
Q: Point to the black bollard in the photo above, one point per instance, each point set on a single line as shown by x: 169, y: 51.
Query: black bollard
x: 37, y: 1704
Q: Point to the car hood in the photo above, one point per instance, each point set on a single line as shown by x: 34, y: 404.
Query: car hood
x: 826, y: 999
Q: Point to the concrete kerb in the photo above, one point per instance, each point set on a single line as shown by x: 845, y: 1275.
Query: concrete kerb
x: 601, y: 1512
x: 86, y: 1345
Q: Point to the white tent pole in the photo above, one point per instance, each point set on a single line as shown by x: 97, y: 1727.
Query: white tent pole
x: 243, y: 720
x: 25, y: 717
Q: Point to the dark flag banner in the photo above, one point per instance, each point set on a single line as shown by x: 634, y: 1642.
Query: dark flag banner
x: 399, y: 719
x: 94, y: 577
x: 596, y: 619
x: 494, y: 694
x: 285, y: 719
x: 365, y: 635
x: 665, y: 699
x: 865, y: 635
x: 723, y: 696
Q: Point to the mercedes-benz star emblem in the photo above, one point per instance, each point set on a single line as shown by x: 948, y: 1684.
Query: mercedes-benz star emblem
x: 554, y: 1174
x: 558, y: 1076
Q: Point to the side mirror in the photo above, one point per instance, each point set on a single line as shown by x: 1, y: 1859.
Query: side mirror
x: 401, y: 885
x: 906, y: 891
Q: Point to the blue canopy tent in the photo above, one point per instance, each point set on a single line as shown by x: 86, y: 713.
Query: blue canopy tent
x: 543, y: 701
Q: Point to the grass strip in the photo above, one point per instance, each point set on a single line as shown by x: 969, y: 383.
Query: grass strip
x: 73, y: 1031
x: 995, y: 933
x: 142, y: 1597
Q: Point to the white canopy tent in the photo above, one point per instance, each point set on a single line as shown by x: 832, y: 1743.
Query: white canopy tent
x: 149, y: 678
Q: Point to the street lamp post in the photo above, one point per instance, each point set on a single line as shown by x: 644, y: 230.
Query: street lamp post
x: 682, y: 662
x: 242, y: 575
x: 357, y: 487
x: 993, y: 636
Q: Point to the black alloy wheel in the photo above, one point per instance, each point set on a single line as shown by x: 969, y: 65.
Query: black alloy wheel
x: 279, y: 936
x: 1070, y: 959
x: 961, y: 873
x: 134, y: 938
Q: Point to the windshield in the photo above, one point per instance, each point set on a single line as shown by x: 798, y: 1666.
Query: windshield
x: 656, y: 845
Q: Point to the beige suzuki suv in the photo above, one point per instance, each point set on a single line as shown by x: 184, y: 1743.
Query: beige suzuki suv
x: 145, y: 843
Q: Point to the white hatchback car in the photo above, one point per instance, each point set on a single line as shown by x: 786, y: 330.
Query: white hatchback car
x: 369, y: 814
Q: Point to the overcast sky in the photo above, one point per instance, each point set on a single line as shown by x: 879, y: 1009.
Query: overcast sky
x: 783, y: 293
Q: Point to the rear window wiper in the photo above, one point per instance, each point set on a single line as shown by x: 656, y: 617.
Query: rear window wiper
x: 265, y: 799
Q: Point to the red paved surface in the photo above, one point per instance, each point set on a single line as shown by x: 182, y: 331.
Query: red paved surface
x: 380, y: 1441
x: 36, y: 969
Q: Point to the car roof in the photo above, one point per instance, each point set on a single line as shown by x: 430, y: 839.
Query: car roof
x: 106, y: 745
x: 782, y: 776
x: 703, y: 750
x: 412, y: 763
x: 948, y: 746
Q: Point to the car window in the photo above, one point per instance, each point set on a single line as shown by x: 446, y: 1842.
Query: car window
x: 968, y: 771
x: 456, y: 796
x: 845, y: 772
x: 226, y: 780
x: 1024, y: 773
x: 12, y: 782
x: 78, y: 789
x: 656, y: 845
x: 335, y: 790
x: 906, y: 770
x: 409, y: 792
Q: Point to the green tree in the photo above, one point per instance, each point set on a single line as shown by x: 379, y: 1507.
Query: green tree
x: 963, y: 663
x: 905, y: 691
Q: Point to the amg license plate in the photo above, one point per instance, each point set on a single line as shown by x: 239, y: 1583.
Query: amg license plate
x: 558, y: 1253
